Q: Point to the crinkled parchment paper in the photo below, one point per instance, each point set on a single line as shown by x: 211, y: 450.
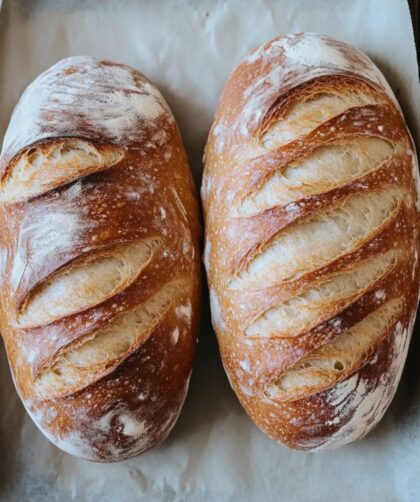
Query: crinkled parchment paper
x: 214, y: 453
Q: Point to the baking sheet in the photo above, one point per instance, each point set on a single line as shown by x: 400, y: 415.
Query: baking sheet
x: 215, y: 452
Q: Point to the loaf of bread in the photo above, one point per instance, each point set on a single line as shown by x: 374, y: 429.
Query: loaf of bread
x: 99, y: 259
x: 311, y: 206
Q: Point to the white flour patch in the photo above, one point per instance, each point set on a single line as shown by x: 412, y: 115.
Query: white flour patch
x: 380, y: 294
x: 293, y: 209
x: 220, y: 134
x: 31, y: 356
x: 206, y: 187
x: 414, y: 266
x: 247, y: 391
x: 186, y: 246
x: 167, y: 154
x: 132, y: 426
x: 104, y: 423
x: 175, y: 336
x: 313, y: 51
x: 132, y: 195
x: 216, y: 311
x: 244, y: 365
x: 336, y: 323
x: 206, y: 256
x: 184, y: 311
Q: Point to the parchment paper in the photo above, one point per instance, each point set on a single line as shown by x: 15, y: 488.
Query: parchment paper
x: 215, y: 452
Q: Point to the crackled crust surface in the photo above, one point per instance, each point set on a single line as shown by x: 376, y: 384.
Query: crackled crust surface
x: 99, y: 259
x: 310, y: 193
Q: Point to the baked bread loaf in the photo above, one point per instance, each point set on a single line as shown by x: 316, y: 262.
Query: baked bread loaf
x: 310, y: 193
x: 99, y: 259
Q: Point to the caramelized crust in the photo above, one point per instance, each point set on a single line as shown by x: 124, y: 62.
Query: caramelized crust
x: 310, y: 194
x: 101, y: 280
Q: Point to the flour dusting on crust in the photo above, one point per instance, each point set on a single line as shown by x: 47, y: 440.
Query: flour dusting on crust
x: 305, y: 57
x: 216, y: 311
x: 363, y: 405
x: 50, y: 233
x: 82, y: 96
x: 79, y: 224
x: 286, y: 99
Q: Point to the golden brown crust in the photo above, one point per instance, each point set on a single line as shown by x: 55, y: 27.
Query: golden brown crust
x: 269, y: 82
x: 147, y: 193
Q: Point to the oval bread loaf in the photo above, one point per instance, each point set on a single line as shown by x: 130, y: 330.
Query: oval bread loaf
x: 310, y: 193
x: 99, y: 259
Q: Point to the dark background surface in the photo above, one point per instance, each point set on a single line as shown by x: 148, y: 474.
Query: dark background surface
x: 415, y: 15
